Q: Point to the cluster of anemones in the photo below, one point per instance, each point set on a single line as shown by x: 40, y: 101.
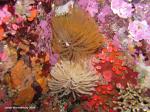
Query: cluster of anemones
x: 109, y: 64
x: 111, y: 55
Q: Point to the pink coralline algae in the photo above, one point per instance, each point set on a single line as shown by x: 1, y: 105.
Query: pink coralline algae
x: 45, y: 38
x: 4, y: 14
x: 139, y: 30
x: 91, y: 6
x: 121, y: 8
x: 142, y: 12
x: 3, y: 56
x: 103, y: 13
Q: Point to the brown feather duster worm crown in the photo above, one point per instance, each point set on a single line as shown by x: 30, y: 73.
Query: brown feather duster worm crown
x: 70, y: 78
x: 75, y: 35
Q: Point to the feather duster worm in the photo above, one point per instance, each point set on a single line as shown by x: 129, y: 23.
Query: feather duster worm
x: 75, y: 35
x: 70, y: 78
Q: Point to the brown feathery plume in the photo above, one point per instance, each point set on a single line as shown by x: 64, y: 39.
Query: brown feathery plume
x: 75, y: 35
x: 70, y: 78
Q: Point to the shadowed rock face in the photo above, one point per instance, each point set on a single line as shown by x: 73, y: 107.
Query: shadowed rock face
x: 60, y: 2
x: 3, y: 2
x: 37, y: 88
x: 133, y: 1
